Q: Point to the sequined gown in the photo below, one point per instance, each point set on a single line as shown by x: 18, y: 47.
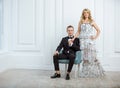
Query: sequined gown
x: 91, y: 66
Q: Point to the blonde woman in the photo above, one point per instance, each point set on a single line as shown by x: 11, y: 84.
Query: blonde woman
x: 91, y: 67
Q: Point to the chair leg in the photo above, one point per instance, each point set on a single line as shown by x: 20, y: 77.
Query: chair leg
x: 65, y: 69
x: 77, y: 69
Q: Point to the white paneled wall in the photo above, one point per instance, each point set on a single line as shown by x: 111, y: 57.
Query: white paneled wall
x: 1, y: 16
x: 72, y: 10
x: 26, y: 31
x: 33, y: 29
x: 117, y: 26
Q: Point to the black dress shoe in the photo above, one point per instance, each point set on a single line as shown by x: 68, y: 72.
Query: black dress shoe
x: 67, y: 77
x: 56, y: 76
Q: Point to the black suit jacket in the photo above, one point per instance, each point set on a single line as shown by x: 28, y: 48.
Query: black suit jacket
x: 68, y: 49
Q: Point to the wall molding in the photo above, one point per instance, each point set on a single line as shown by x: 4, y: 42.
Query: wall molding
x: 34, y: 45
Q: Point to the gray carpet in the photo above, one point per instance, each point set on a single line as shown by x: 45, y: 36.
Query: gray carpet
x: 26, y: 78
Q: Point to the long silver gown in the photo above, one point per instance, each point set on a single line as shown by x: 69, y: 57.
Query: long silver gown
x: 91, y: 66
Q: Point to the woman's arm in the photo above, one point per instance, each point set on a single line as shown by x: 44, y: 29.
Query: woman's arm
x: 97, y: 31
x: 78, y: 32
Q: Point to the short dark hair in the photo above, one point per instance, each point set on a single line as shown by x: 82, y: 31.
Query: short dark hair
x: 70, y: 26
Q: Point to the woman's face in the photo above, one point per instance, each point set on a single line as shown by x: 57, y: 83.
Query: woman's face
x: 86, y: 14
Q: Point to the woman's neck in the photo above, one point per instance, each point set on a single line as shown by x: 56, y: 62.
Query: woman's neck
x: 86, y: 20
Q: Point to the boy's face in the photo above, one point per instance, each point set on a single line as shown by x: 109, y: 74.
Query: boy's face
x: 70, y: 31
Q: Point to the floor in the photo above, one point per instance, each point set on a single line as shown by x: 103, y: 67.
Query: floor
x: 26, y: 78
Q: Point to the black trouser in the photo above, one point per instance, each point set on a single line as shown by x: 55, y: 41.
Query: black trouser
x: 70, y: 57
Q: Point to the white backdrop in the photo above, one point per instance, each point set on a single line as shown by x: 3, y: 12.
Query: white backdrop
x: 32, y: 29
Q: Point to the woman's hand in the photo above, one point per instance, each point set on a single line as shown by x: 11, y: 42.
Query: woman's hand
x: 72, y: 39
x: 92, y: 37
x: 70, y: 42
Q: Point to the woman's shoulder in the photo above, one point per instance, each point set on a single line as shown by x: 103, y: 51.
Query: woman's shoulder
x: 92, y: 22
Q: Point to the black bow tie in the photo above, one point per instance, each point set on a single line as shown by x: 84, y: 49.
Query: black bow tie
x: 70, y: 37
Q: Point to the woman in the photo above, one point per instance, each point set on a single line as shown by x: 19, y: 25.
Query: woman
x: 91, y: 67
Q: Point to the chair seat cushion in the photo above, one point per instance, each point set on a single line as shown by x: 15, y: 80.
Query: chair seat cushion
x: 77, y: 59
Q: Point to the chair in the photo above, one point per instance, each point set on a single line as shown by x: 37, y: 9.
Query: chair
x: 76, y: 62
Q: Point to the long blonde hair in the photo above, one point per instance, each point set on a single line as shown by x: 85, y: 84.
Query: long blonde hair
x: 83, y: 17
